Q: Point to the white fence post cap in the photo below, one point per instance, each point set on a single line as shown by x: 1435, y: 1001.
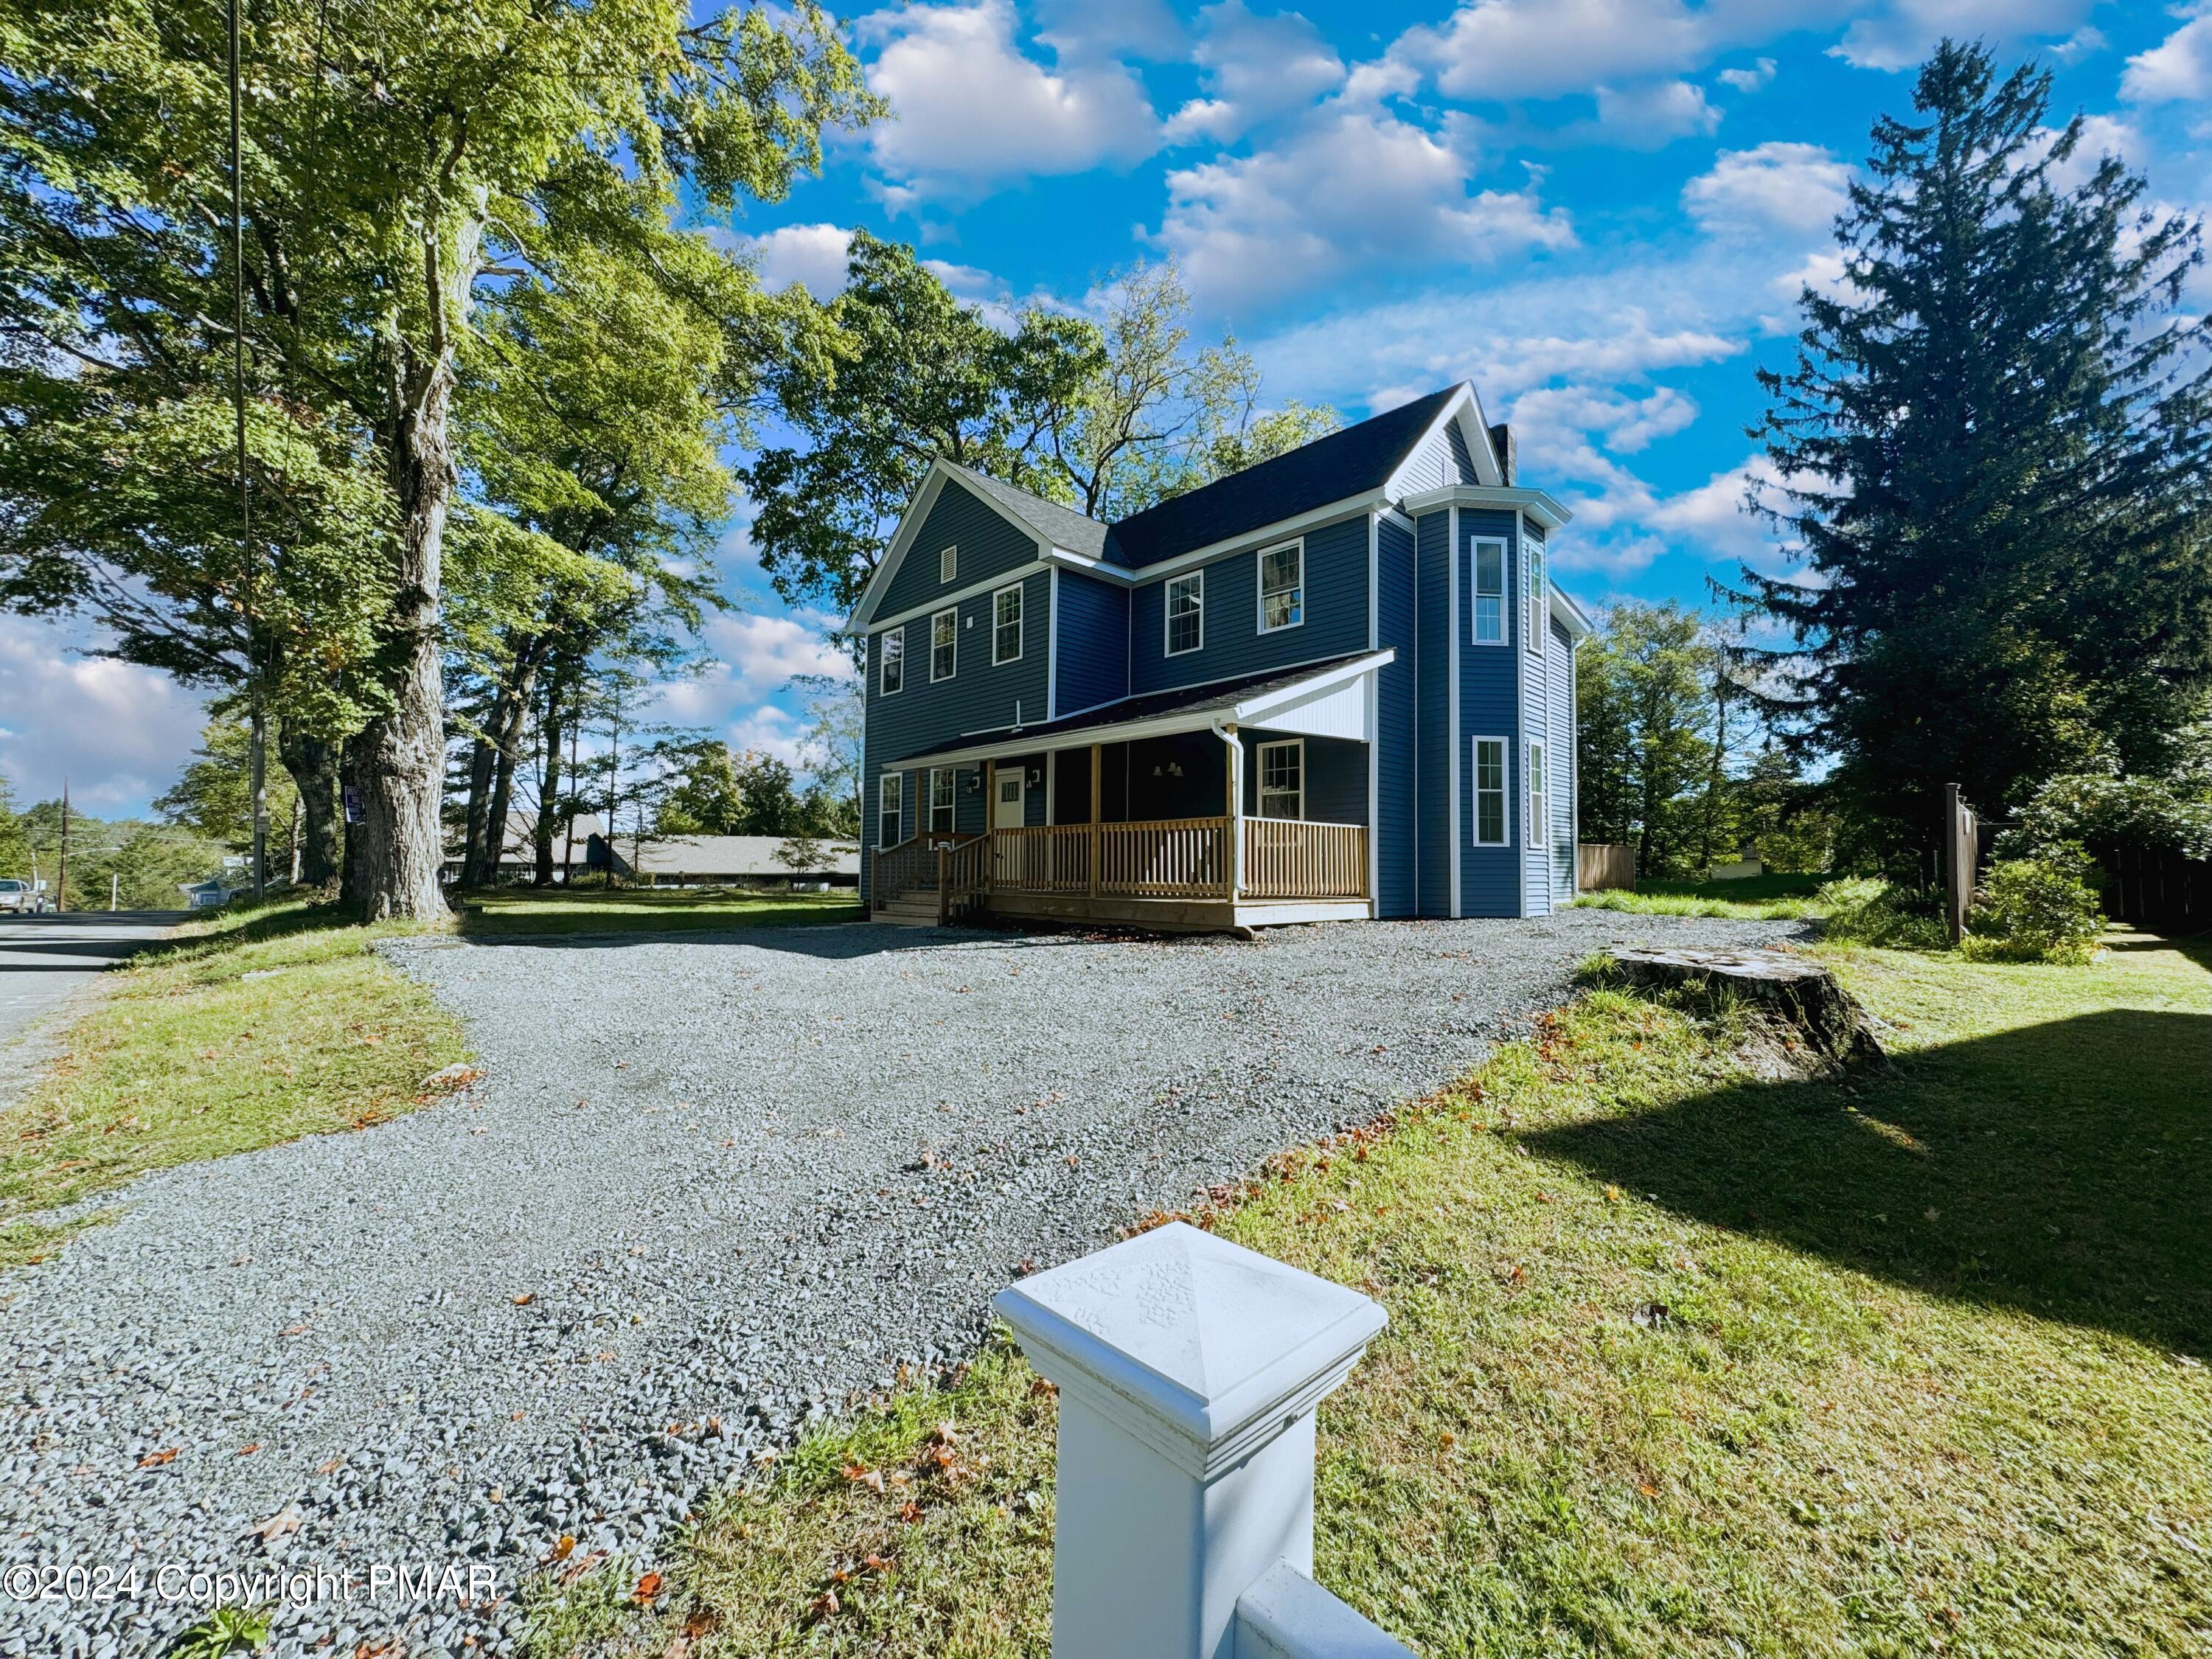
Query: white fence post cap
x: 1200, y: 1348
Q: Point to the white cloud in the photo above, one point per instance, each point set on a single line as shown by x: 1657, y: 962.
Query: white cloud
x: 811, y: 255
x: 2084, y: 42
x: 1513, y: 49
x: 1083, y: 28
x: 1757, y: 78
x: 1354, y: 185
x: 1777, y: 187
x: 1898, y: 35
x: 1646, y: 117
x: 119, y: 734
x: 767, y: 730
x: 1256, y: 67
x: 2178, y: 68
x: 970, y: 109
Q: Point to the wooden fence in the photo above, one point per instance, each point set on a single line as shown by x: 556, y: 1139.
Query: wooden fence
x: 1296, y: 858
x: 1961, y: 856
x: 1603, y: 864
x: 2159, y: 889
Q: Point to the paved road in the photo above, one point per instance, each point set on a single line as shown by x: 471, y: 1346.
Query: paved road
x: 44, y: 958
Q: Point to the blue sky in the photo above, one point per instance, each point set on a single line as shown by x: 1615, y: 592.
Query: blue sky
x: 1600, y: 211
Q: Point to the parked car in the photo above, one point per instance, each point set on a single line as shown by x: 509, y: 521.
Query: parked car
x: 21, y: 897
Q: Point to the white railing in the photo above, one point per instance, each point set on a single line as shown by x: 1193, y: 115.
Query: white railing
x: 1188, y: 1371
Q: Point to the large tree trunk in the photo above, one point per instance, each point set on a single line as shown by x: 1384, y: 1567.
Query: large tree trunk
x: 313, y: 762
x: 351, y: 891
x: 473, y: 862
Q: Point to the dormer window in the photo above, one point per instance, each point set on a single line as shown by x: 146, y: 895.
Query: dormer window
x: 948, y: 564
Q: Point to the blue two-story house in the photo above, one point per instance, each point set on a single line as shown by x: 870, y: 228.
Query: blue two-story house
x: 1337, y: 684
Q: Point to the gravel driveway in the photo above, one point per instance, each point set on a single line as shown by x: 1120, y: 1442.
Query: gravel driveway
x: 733, y: 1176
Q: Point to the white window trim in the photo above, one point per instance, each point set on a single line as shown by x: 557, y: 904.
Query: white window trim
x: 1474, y: 590
x: 953, y: 611
x: 1021, y: 621
x: 1504, y: 790
x: 1260, y: 586
x: 948, y: 562
x: 890, y: 785
x: 952, y: 801
x: 886, y: 655
x: 1539, y: 792
x: 1260, y: 791
x: 1532, y: 574
x: 1167, y: 612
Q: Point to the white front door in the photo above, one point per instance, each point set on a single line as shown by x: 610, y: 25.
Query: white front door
x: 1006, y: 803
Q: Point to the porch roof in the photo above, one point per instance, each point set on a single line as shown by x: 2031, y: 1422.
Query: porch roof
x: 1242, y: 701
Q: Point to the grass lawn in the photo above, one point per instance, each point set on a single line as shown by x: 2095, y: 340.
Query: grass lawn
x: 626, y: 910
x: 246, y: 1028
x: 1773, y: 897
x: 1679, y: 1361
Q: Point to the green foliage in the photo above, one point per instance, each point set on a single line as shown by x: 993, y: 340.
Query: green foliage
x: 14, y: 838
x: 2037, y: 909
x: 721, y: 792
x: 1642, y: 692
x: 224, y: 1632
x: 2105, y: 809
x: 1993, y: 445
x: 213, y: 797
x: 1869, y: 910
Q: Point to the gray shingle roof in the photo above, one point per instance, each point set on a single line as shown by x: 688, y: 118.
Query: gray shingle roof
x: 1063, y: 526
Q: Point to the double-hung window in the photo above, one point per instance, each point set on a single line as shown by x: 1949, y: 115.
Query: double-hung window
x: 1539, y: 596
x: 890, y: 649
x: 1537, y: 798
x: 887, y: 809
x: 1283, y: 780
x: 948, y: 564
x: 1006, y: 625
x: 1282, y: 586
x: 1186, y: 613
x: 1490, y: 822
x: 1489, y: 592
x: 944, y: 644
x: 941, y: 801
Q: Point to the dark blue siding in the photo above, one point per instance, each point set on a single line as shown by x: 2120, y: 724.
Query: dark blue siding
x: 1335, y: 775
x: 1396, y: 845
x: 1433, y: 699
x: 1488, y: 692
x: 1093, y: 643
x: 1335, y: 614
x: 990, y: 544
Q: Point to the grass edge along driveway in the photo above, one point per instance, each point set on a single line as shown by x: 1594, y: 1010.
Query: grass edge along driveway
x: 1679, y: 1361
x: 250, y: 1027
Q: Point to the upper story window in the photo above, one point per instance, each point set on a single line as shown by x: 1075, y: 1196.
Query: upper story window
x: 1283, y: 779
x: 1490, y: 592
x: 1007, y: 624
x: 1186, y: 613
x: 944, y: 644
x: 948, y: 564
x: 887, y: 809
x: 1282, y: 586
x: 1539, y: 596
x: 1491, y: 822
x: 891, y: 659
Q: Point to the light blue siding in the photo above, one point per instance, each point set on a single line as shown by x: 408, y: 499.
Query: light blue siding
x: 1441, y: 458
x: 1093, y: 643
x: 1535, y: 722
x: 1335, y: 614
x: 1490, y: 884
x: 1432, y: 701
x: 1564, y: 783
x: 1396, y: 848
x: 990, y: 544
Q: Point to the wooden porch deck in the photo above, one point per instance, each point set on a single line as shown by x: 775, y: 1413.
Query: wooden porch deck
x: 1167, y: 874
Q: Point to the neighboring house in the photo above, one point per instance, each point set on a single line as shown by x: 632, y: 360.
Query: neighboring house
x: 731, y: 861
x: 518, y: 854
x: 1340, y: 683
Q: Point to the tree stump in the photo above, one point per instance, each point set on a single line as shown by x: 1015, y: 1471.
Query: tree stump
x: 1801, y: 996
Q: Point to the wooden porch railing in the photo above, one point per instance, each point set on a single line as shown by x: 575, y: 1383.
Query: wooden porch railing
x: 1053, y: 857
x: 1298, y: 859
x: 1166, y: 858
x: 963, y: 870
x: 899, y: 869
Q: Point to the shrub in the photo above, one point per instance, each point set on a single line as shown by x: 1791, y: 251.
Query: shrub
x: 1869, y: 910
x: 2036, y: 909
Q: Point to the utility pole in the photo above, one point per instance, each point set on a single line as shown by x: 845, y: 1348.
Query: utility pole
x: 114, y: 887
x: 258, y: 744
x: 61, y: 881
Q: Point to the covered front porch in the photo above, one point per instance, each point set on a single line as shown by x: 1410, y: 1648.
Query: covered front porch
x: 1227, y: 812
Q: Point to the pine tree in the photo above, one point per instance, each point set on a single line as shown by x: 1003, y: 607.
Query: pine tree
x: 1993, y: 444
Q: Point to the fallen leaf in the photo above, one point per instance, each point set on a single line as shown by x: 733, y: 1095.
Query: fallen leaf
x: 861, y: 1476
x: 875, y: 1564
x: 562, y: 1546
x: 648, y: 1587
x: 154, y: 1459
x: 331, y: 1467
x: 248, y: 1450
x: 285, y: 1521
x: 909, y: 1511
x: 823, y: 1606
x: 524, y: 1299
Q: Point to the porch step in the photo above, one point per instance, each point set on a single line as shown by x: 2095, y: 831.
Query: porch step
x: 910, y: 910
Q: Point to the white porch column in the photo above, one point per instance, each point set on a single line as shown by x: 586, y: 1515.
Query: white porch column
x: 1189, y: 1371
x: 1236, y: 766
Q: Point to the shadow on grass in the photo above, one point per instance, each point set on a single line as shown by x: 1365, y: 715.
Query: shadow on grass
x: 279, y: 921
x: 2060, y: 1170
